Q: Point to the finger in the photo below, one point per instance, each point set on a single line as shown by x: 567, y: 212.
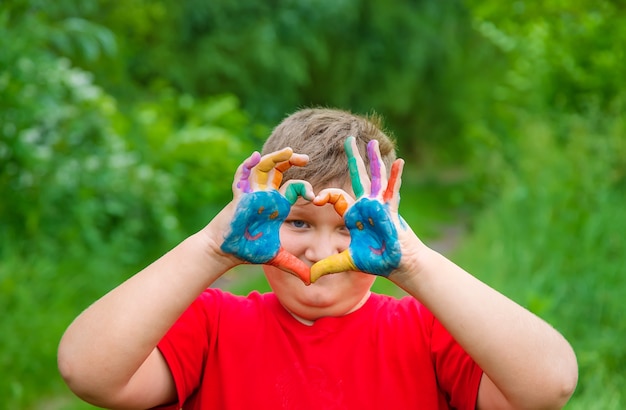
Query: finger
x: 339, y: 198
x: 341, y: 262
x: 392, y: 193
x: 356, y: 167
x: 298, y: 160
x: 290, y: 264
x: 377, y: 168
x: 242, y: 176
x: 295, y: 188
x: 261, y: 173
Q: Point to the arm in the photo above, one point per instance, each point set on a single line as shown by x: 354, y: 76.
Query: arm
x: 526, y: 363
x: 108, y: 355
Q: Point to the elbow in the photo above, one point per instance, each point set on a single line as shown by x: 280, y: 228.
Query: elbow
x: 551, y: 389
x: 559, y: 380
x: 567, y: 384
x: 567, y: 378
x: 71, y: 375
x: 66, y: 368
x: 560, y: 385
x: 552, y: 397
x: 77, y: 378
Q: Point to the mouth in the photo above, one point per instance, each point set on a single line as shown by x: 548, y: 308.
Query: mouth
x: 251, y: 237
x: 379, y: 251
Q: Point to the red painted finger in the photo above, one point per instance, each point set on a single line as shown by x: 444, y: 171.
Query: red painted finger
x: 289, y: 263
x: 395, y: 180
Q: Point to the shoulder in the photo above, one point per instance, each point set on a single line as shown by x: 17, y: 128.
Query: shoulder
x: 215, y: 303
x: 215, y: 312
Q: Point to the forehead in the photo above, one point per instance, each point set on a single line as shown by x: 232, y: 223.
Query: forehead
x: 344, y: 184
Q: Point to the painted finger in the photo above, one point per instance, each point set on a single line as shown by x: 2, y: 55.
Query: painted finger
x: 341, y: 262
x: 297, y: 188
x: 392, y: 193
x: 289, y: 263
x: 339, y: 198
x: 261, y: 173
x: 298, y: 160
x: 242, y: 176
x: 356, y: 167
x: 377, y: 169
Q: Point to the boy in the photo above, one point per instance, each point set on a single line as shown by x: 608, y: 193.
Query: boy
x: 163, y: 339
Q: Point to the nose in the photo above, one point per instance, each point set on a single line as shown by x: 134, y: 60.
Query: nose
x: 326, y: 244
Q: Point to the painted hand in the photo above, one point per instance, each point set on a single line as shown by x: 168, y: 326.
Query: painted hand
x: 372, y: 219
x: 261, y: 209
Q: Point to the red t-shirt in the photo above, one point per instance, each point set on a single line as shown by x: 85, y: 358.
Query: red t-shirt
x: 236, y: 352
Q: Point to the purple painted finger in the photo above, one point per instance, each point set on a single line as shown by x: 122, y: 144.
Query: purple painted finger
x: 244, y: 183
x: 375, y: 167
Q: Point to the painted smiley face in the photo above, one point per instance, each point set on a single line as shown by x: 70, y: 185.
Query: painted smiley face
x: 254, y: 233
x: 374, y: 243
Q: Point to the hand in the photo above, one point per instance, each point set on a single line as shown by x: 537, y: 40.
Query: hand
x: 261, y: 210
x: 372, y: 220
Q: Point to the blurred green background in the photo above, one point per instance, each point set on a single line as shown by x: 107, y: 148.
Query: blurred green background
x: 122, y: 122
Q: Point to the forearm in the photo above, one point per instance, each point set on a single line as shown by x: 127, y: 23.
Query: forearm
x: 111, y: 339
x: 529, y: 361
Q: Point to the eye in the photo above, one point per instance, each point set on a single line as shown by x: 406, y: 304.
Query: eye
x: 297, y: 223
x: 344, y: 230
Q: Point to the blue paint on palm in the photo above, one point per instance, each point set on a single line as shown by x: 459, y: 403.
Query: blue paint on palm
x: 254, y: 233
x: 374, y: 245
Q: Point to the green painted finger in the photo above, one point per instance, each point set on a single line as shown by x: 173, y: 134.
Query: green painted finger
x: 353, y: 168
x: 294, y: 191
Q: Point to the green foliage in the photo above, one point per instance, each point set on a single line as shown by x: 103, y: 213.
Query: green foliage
x: 90, y: 191
x: 407, y: 62
x: 553, y: 239
x: 121, y: 124
x: 198, y: 145
x: 551, y: 161
x: 59, y: 148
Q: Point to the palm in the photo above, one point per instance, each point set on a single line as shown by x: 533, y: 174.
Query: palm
x: 253, y: 236
x: 374, y: 245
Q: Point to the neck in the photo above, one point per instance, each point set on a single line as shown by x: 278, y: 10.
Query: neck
x: 311, y: 321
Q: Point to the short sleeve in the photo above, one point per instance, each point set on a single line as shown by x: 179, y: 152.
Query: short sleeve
x: 457, y: 373
x: 186, y: 345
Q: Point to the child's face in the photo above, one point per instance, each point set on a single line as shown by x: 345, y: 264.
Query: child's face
x: 312, y: 233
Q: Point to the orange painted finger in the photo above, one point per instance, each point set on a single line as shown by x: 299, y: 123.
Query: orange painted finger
x: 336, y: 198
x: 298, y: 160
x: 277, y: 178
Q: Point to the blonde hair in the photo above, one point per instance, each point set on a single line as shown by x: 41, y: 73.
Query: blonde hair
x: 320, y: 133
